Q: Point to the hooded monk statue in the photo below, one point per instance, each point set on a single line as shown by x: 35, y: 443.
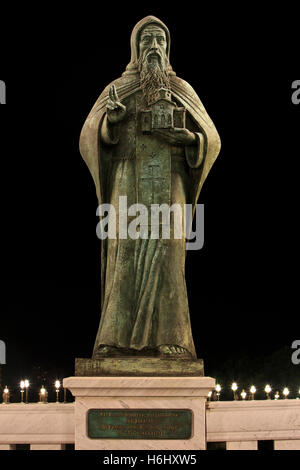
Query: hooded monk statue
x: 148, y: 138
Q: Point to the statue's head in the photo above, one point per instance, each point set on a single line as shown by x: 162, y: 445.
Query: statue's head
x: 153, y: 60
x: 150, y: 50
x: 152, y: 47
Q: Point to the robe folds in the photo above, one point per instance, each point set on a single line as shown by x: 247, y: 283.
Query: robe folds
x: 144, y: 300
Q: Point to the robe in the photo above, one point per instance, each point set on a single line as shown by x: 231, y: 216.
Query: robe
x: 144, y: 299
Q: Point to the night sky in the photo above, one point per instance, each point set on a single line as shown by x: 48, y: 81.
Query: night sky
x: 243, y: 284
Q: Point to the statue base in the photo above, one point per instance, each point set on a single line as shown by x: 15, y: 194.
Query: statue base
x: 140, y: 413
x: 138, y: 367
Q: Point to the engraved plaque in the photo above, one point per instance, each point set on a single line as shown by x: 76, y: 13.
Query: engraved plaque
x: 139, y: 424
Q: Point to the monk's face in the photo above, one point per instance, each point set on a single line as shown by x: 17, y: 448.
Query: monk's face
x: 153, y: 46
x: 153, y: 62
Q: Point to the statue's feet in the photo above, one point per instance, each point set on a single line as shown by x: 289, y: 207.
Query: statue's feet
x: 174, y: 351
x: 106, y: 351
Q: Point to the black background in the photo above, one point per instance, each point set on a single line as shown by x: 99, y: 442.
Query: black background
x: 242, y: 285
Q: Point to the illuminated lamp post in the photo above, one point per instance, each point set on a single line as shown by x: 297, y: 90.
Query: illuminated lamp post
x: 234, y: 388
x: 268, y: 390
x: 252, y: 391
x: 57, y: 387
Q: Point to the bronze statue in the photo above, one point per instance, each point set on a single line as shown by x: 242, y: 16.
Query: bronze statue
x: 149, y: 138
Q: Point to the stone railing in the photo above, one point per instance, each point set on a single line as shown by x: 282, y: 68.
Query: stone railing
x: 44, y: 426
x: 242, y: 425
x: 238, y: 425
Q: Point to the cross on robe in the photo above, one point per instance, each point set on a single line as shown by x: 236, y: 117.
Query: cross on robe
x: 153, y: 178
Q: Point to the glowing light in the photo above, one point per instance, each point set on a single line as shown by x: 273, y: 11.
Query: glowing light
x: 43, y: 395
x: 57, y: 384
x: 268, y: 389
x: 6, y: 395
x: 285, y: 392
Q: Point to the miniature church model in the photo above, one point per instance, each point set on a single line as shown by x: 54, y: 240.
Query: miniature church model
x: 164, y: 114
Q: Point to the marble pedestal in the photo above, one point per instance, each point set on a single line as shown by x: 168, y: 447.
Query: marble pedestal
x: 140, y: 393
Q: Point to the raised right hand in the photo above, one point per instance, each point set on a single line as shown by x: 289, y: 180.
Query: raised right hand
x: 115, y: 109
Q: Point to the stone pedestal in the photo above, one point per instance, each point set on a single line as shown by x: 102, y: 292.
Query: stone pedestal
x: 138, y: 367
x: 160, y: 394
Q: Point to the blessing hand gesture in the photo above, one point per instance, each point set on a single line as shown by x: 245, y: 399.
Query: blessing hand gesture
x: 115, y: 109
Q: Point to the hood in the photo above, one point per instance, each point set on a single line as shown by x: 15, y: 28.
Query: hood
x: 132, y: 67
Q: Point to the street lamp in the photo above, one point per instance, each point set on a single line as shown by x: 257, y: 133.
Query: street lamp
x: 252, y: 391
x: 285, y: 392
x: 243, y: 395
x: 234, y: 388
x: 57, y: 387
x: 268, y: 390
x: 277, y: 396
x: 26, y: 385
x: 43, y: 395
x: 218, y: 390
x: 22, y: 386
x: 5, y: 395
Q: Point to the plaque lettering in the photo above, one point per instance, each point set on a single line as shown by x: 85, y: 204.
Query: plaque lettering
x: 139, y: 424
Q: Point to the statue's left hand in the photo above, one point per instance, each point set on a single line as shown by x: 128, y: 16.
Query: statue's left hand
x: 176, y: 136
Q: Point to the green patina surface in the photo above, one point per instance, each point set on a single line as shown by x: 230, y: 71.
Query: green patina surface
x: 138, y: 366
x: 139, y: 424
x: 147, y: 140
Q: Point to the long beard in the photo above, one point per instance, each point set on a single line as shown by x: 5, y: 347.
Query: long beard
x: 153, y: 76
